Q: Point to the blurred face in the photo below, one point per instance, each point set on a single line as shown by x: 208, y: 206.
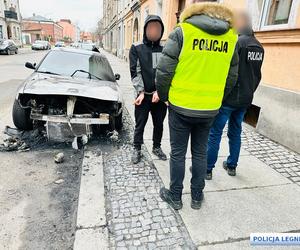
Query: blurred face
x: 242, y: 20
x: 153, y: 31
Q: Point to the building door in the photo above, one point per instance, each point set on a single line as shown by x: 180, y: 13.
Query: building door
x: 9, y: 33
x: 181, y: 5
x: 136, y: 30
x: 1, y: 32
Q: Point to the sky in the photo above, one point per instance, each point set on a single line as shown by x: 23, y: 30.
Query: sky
x: 85, y: 13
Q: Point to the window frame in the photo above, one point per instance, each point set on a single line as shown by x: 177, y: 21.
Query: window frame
x: 264, y: 15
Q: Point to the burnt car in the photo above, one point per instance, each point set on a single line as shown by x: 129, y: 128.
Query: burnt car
x: 72, y: 91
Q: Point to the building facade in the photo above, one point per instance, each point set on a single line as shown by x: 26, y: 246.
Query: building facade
x: 10, y: 21
x: 276, y: 108
x: 110, y: 18
x: 124, y: 21
x: 69, y: 30
x: 41, y: 28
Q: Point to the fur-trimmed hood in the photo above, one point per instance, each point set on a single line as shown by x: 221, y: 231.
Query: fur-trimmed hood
x: 213, y: 10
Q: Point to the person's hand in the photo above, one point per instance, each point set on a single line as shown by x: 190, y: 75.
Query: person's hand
x: 138, y: 101
x: 155, y: 98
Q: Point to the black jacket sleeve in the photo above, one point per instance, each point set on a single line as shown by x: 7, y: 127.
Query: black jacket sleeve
x: 135, y: 70
x: 233, y: 73
x: 168, y: 63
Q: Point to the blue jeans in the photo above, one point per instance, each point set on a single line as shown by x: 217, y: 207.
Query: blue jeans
x: 235, y: 117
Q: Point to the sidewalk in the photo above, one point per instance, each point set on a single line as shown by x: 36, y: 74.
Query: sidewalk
x: 263, y: 197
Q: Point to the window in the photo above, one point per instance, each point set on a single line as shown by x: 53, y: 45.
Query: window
x: 278, y: 12
x: 146, y: 13
x: 15, y: 32
x: 159, y: 6
x: 18, y: 33
x: 1, y: 32
x: 68, y: 63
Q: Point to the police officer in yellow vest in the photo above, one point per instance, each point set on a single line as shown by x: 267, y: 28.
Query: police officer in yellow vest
x: 199, y: 66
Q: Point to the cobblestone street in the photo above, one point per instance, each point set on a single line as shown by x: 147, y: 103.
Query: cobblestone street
x: 138, y: 218
x: 283, y: 160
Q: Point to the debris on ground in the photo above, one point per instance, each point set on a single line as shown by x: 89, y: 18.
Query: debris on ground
x: 59, y: 181
x: 114, y: 136
x: 14, y: 132
x: 59, y: 158
x: 14, y: 144
x: 80, y: 142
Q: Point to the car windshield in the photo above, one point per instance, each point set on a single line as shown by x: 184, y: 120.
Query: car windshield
x: 87, y: 46
x: 40, y: 42
x: 66, y: 63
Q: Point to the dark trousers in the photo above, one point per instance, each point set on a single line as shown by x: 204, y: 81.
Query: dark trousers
x: 158, y: 112
x: 181, y: 128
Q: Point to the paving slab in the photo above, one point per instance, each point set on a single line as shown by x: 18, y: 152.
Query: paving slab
x: 236, y: 214
x: 91, y: 239
x: 251, y: 173
x: 91, y: 204
x: 165, y: 144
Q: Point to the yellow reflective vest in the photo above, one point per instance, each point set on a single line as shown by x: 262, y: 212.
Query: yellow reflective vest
x: 201, y: 73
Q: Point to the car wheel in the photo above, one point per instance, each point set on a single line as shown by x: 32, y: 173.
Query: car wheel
x: 16, y: 52
x: 21, y: 117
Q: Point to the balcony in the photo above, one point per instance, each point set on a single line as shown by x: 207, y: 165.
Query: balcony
x: 11, y: 14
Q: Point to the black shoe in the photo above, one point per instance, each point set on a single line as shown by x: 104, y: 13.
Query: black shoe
x: 159, y: 153
x: 136, y: 156
x: 197, y: 201
x: 208, y: 175
x: 230, y: 170
x: 166, y: 196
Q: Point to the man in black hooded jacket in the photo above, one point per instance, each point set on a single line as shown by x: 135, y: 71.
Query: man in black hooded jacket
x: 143, y: 58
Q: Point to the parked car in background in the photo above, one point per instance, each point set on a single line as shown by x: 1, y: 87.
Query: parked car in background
x: 8, y: 47
x: 60, y: 44
x: 72, y: 89
x: 75, y: 45
x: 41, y: 45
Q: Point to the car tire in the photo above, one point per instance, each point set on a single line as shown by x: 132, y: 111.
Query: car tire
x: 16, y: 51
x: 21, y: 117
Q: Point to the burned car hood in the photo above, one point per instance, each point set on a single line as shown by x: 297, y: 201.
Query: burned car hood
x: 45, y: 84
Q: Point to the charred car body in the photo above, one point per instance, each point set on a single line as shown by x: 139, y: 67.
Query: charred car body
x: 71, y: 91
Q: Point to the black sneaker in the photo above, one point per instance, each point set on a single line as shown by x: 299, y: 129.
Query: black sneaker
x: 159, y: 153
x: 136, y: 156
x: 197, y: 201
x: 166, y: 196
x: 208, y: 175
x: 230, y: 170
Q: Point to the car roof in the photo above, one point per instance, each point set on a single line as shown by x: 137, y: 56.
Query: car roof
x: 79, y: 51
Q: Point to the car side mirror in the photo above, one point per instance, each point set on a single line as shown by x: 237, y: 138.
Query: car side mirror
x: 30, y: 65
x: 117, y: 76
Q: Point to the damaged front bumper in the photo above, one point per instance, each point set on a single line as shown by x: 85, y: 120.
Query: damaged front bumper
x: 61, y: 128
x: 75, y: 119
